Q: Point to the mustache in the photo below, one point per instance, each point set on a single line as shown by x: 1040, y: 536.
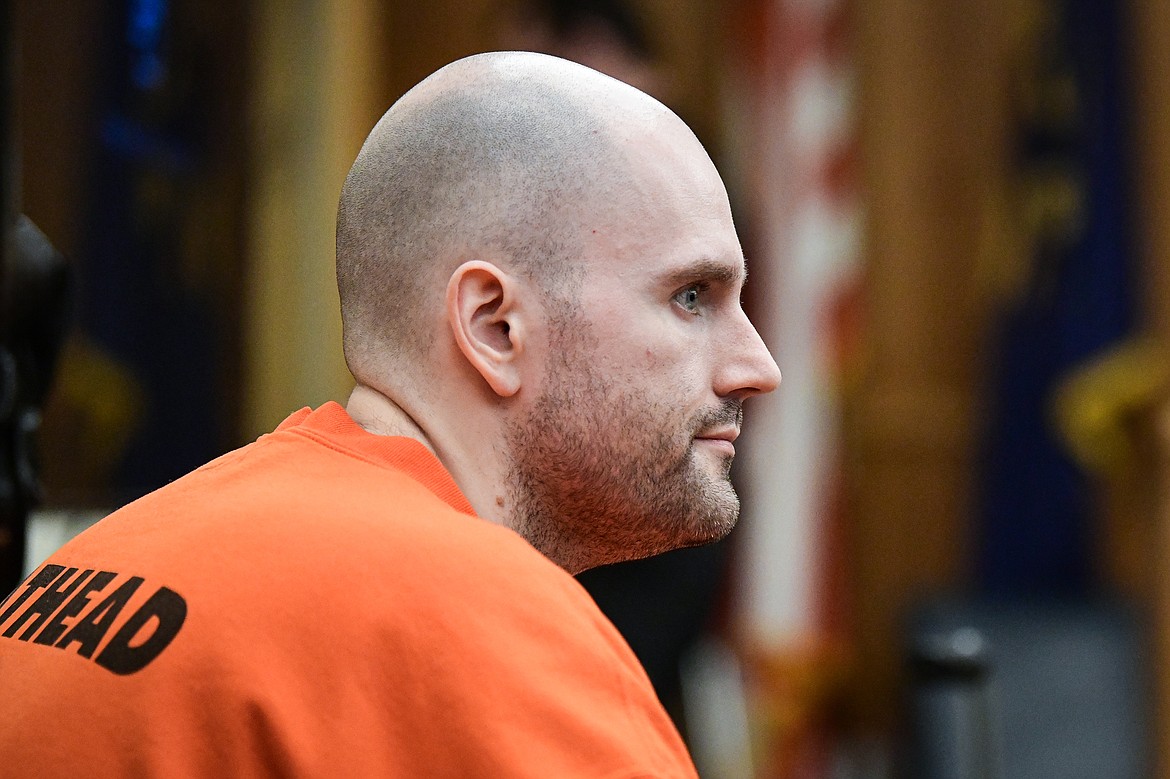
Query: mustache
x: 729, y: 412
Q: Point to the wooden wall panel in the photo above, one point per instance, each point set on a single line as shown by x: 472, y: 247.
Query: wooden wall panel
x: 931, y: 106
x: 56, y: 76
x: 315, y: 96
x: 1150, y: 60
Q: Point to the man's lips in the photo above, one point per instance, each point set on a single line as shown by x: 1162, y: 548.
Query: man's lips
x: 728, y: 434
x: 722, y: 439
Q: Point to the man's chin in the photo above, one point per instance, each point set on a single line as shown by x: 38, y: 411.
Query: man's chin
x: 718, y: 521
x: 709, y: 533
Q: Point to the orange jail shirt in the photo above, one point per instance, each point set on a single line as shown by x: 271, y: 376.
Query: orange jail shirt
x: 322, y: 602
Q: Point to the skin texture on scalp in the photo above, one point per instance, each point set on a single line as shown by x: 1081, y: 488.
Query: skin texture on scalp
x: 490, y: 159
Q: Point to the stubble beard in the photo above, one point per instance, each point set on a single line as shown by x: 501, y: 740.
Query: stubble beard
x: 599, y: 475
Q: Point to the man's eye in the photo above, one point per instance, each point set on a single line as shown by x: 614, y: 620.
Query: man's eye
x: 689, y: 297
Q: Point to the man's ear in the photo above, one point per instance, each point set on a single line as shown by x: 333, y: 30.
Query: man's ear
x: 482, y: 313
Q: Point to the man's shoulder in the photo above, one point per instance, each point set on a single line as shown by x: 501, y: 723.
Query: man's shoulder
x: 288, y: 517
x: 367, y: 600
x: 285, y: 484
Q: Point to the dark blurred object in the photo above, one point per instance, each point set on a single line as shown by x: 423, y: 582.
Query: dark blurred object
x: 950, y: 709
x: 36, y: 289
x: 11, y: 522
x: 1030, y: 690
x: 34, y: 284
x: 662, y: 606
x: 606, y: 35
x: 569, y: 21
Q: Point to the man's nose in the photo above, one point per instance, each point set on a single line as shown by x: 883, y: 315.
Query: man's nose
x: 749, y: 368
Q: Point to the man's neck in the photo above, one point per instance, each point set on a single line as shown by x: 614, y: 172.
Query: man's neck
x: 375, y: 413
x: 475, y: 471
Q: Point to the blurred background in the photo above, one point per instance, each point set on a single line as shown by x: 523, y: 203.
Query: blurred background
x: 951, y: 556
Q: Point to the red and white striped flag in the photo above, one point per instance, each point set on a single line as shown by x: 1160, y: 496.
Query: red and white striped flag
x: 792, y: 113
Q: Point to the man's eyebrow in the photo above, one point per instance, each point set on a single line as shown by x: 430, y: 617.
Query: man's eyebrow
x: 707, y: 269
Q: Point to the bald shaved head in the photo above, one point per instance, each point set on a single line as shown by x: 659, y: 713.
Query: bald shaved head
x: 501, y: 156
x: 540, y: 279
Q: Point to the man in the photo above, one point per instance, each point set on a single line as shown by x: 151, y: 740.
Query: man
x: 540, y: 289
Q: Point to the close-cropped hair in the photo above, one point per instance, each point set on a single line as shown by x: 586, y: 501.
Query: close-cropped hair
x: 501, y: 169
